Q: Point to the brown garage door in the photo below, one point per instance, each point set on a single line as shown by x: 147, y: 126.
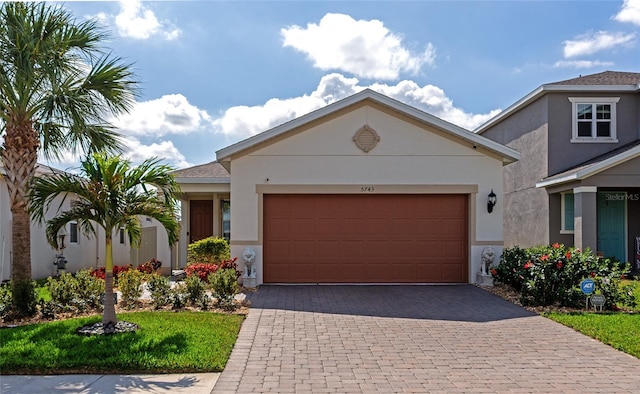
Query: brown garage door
x: 365, y: 238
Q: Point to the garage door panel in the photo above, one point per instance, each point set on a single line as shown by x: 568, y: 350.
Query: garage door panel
x: 365, y: 238
x: 280, y: 250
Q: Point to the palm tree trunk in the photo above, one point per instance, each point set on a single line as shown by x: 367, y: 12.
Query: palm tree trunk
x: 109, y: 316
x: 19, y: 158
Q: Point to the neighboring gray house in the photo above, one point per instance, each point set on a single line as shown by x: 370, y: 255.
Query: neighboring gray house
x: 578, y: 178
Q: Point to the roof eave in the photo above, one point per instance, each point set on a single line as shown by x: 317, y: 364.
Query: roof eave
x: 544, y: 89
x: 594, y: 169
x: 508, y: 155
x: 189, y: 180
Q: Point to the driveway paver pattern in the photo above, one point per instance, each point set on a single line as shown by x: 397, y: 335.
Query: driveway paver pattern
x: 413, y: 339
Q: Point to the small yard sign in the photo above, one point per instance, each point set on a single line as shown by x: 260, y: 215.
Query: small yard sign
x: 587, y: 286
x: 597, y: 300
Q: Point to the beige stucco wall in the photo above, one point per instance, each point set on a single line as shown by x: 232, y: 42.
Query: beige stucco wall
x: 408, y: 159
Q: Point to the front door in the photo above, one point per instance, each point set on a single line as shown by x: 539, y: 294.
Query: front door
x: 611, y: 224
x: 200, y: 220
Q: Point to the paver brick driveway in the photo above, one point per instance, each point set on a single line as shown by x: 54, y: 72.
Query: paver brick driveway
x: 390, y: 339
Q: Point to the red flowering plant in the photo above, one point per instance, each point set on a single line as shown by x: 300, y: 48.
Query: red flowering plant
x: 117, y: 269
x: 203, y: 270
x: 546, y: 275
x: 150, y: 266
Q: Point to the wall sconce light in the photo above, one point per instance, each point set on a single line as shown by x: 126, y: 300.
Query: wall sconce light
x: 491, y: 201
x: 61, y: 234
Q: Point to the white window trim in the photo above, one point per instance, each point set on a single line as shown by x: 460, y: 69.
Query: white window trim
x: 593, y: 100
x: 563, y: 224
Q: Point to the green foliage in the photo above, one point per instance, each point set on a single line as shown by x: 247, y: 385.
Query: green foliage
x: 24, y: 298
x: 224, y: 284
x: 5, y: 300
x: 546, y: 275
x: 90, y: 289
x: 212, y: 250
x: 170, y: 342
x: 160, y: 289
x: 130, y: 285
x: 195, y: 289
x: 63, y: 289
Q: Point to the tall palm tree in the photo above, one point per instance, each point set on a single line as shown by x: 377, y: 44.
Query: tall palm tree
x: 58, y: 87
x: 109, y: 192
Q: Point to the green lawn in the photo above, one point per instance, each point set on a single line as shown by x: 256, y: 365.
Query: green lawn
x: 619, y: 330
x: 166, y: 342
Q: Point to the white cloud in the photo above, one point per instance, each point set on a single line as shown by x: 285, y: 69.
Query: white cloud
x: 364, y: 48
x: 137, y: 152
x: 590, y: 43
x: 582, y: 64
x: 629, y: 12
x: 139, y: 22
x: 242, y: 121
x: 170, y: 114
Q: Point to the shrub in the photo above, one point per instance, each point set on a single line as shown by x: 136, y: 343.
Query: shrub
x: 5, y: 299
x: 150, y: 266
x: 90, y: 289
x: 63, y: 290
x: 201, y: 270
x: 210, y: 250
x: 546, y: 275
x: 24, y: 301
x: 179, y: 296
x: 224, y: 284
x: 160, y: 289
x: 195, y: 289
x: 130, y: 285
x: 117, y: 270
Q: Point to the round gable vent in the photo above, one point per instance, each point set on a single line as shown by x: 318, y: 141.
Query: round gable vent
x: 366, y: 138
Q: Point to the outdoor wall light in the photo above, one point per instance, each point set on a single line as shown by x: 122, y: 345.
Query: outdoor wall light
x: 62, y: 233
x: 491, y: 201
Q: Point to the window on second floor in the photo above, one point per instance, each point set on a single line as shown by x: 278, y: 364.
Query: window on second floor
x: 594, y: 119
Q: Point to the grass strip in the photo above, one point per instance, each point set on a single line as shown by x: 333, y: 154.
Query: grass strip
x: 167, y: 342
x: 618, y: 330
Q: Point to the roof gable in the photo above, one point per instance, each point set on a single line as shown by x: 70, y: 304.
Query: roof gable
x: 607, y: 81
x: 227, y: 154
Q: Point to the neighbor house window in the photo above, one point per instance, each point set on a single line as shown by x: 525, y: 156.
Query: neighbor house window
x: 594, y: 119
x: 121, y: 236
x: 567, y: 213
x: 73, y: 233
x: 226, y: 219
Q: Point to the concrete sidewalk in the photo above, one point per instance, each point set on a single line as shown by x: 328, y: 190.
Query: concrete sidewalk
x: 104, y: 384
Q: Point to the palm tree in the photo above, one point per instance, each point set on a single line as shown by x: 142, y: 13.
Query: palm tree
x: 58, y: 87
x: 109, y: 192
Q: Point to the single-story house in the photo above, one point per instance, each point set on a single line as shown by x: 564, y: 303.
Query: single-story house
x: 364, y: 190
x: 79, y: 250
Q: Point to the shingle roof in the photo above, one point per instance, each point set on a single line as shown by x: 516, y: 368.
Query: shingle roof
x: 603, y: 78
x: 594, y: 165
x: 208, y: 170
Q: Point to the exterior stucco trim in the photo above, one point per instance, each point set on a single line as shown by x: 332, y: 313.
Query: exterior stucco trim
x: 368, y: 188
x: 508, y: 155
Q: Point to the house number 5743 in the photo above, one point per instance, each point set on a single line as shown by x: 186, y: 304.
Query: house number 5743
x: 366, y: 189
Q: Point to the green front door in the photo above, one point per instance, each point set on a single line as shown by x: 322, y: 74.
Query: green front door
x: 612, y: 207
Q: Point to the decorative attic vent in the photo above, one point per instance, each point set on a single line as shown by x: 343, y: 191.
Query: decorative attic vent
x: 366, y: 138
